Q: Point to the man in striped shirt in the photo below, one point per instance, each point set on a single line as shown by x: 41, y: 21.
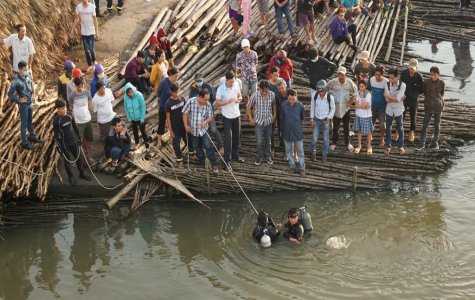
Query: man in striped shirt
x: 197, y: 115
x: 261, y: 110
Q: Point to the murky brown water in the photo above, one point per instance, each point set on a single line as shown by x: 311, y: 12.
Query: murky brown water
x: 393, y: 245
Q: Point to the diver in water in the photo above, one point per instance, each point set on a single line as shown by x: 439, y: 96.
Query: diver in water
x: 293, y: 229
x: 266, y: 230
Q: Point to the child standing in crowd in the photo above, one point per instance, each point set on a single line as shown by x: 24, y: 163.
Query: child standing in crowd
x: 363, y: 120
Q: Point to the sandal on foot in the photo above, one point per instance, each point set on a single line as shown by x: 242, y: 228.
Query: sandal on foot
x: 369, y: 151
x: 387, y: 151
x: 402, y: 151
x: 357, y: 150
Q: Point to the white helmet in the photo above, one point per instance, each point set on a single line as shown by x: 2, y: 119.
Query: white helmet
x: 265, y: 241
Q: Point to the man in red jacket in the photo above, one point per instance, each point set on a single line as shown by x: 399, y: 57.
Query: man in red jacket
x: 286, y: 69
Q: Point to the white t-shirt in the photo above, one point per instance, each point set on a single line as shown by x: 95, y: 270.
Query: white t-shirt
x: 102, y: 105
x: 86, y: 15
x: 80, y: 106
x: 21, y: 49
x: 361, y: 112
x: 222, y: 81
x: 224, y: 93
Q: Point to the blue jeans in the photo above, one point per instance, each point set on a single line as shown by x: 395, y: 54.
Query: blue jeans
x: 215, y: 133
x: 325, y: 127
x: 117, y: 154
x: 400, y: 129
x: 289, y: 150
x: 232, y: 132
x: 425, y: 125
x: 203, y: 141
x: 278, y: 14
x: 88, y: 44
x: 26, y: 122
x: 263, y: 135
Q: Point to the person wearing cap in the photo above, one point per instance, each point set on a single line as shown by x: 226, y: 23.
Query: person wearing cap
x: 21, y: 92
x: 86, y: 13
x: 118, y: 142
x: 317, y: 68
x: 394, y: 92
x: 305, y: 19
x: 364, y: 69
x: 434, y: 90
x: 228, y: 97
x: 197, y: 115
x: 292, y: 115
x: 340, y: 31
x: 247, y: 61
x: 68, y: 140
x: 135, y: 109
x: 293, y: 229
x: 165, y: 44
x: 173, y: 109
x: 286, y: 69
x: 265, y: 226
x: 102, y: 106
x: 22, y: 47
x: 282, y: 7
x: 343, y: 90
x: 70, y: 86
x: 378, y: 102
x: 120, y: 4
x: 262, y: 112
x: 414, y: 81
x: 163, y: 94
x: 159, y: 69
x: 64, y: 79
x: 322, y: 110
x: 135, y: 72
x: 80, y: 101
x: 99, y: 76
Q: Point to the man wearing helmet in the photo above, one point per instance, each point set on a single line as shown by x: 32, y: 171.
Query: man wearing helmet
x: 64, y: 79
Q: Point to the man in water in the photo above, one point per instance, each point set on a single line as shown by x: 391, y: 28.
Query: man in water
x: 293, y: 229
x: 265, y: 225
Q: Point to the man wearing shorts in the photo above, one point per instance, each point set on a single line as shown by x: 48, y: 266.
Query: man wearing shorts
x: 306, y: 19
x: 263, y: 6
x: 80, y: 102
x: 246, y: 61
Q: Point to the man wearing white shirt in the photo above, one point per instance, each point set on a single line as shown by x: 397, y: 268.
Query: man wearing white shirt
x: 102, y: 105
x: 228, y: 97
x: 394, y: 92
x: 322, y: 110
x: 22, y: 47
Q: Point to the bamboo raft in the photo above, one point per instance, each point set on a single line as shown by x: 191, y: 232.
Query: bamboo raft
x: 202, y: 41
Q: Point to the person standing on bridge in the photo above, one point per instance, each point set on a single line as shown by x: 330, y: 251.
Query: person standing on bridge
x: 394, y: 92
x: 414, y: 82
x: 22, y: 47
x: 246, y: 62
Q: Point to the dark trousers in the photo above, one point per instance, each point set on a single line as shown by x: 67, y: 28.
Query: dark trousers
x: 138, y: 83
x: 135, y: 129
x: 89, y: 48
x: 179, y: 135
x: 71, y: 153
x: 120, y: 3
x: 26, y: 122
x: 346, y: 128
x: 412, y: 114
x: 279, y: 133
x: 319, y: 7
x: 204, y: 141
x: 232, y: 132
x: 465, y: 3
x: 344, y: 38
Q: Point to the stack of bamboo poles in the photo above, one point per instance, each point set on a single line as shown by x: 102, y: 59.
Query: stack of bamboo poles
x: 22, y: 171
x: 46, y: 26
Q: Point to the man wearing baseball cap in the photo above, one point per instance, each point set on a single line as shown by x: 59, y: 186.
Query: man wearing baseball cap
x: 344, y: 91
x: 413, y: 80
x: 70, y: 86
x: 99, y: 76
x: 364, y: 70
x: 64, y: 79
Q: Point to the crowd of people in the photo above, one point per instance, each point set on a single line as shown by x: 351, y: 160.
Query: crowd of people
x: 271, y: 105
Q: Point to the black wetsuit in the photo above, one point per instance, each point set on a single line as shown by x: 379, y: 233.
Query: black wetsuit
x: 294, y: 231
x: 66, y: 135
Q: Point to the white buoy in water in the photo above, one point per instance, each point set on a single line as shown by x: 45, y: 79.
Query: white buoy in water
x: 338, y: 242
x: 265, y: 241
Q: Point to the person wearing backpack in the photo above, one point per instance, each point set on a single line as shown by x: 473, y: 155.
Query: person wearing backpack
x: 322, y: 109
x: 394, y: 93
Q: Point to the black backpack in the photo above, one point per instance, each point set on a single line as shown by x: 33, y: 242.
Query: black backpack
x: 398, y: 87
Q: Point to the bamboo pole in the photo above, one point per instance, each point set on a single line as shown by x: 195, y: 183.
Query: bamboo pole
x: 391, y: 39
x: 403, y: 47
x: 113, y: 201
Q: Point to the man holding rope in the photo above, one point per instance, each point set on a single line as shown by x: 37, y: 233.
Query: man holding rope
x: 68, y: 140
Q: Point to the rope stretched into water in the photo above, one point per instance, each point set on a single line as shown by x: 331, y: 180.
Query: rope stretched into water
x: 232, y: 174
x: 95, y: 177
